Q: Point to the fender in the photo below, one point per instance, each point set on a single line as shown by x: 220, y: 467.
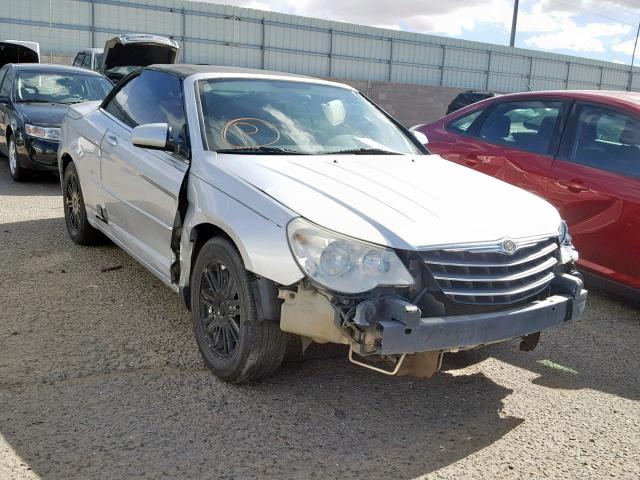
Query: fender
x: 259, y: 240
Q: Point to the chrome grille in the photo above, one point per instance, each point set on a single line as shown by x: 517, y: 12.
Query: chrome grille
x: 483, y: 275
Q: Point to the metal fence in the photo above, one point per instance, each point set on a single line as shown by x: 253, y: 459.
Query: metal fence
x: 225, y: 35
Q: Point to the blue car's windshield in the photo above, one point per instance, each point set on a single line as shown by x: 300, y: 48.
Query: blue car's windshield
x: 59, y: 87
x: 295, y: 117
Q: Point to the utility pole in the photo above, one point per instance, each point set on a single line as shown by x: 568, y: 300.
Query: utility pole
x: 513, y: 23
x: 633, y: 58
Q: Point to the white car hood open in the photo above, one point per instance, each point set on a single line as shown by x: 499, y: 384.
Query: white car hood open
x: 404, y: 202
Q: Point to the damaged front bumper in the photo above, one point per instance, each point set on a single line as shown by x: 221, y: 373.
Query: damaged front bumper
x: 398, y: 327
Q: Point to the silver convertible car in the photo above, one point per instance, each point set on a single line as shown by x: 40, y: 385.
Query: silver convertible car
x: 283, y: 207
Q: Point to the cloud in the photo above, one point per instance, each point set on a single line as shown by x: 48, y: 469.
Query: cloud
x: 455, y: 21
x: 586, y: 38
x: 585, y: 26
x: 258, y: 6
x: 624, y: 47
x: 425, y: 16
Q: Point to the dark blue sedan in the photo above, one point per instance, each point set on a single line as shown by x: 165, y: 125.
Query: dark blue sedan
x: 33, y: 101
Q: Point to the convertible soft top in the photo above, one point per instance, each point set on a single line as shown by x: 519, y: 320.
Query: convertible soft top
x: 186, y: 70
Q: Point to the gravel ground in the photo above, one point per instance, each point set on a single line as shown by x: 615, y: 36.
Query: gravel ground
x: 100, y: 378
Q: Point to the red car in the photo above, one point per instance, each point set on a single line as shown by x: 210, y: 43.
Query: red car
x: 579, y: 150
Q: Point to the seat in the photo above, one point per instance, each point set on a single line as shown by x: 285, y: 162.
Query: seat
x: 497, y: 129
x: 546, y: 127
x: 631, y: 134
x: 536, y: 141
x: 586, y: 150
x: 629, y: 161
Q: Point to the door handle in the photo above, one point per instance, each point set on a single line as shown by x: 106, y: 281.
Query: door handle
x: 574, y: 185
x: 112, y: 139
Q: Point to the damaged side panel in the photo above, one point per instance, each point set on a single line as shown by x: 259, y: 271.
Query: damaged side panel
x: 258, y: 239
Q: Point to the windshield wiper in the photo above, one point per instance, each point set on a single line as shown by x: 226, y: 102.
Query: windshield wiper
x: 363, y: 151
x: 33, y: 100
x: 260, y: 150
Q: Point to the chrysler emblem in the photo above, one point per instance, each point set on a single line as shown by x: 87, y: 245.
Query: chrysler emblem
x: 509, y: 247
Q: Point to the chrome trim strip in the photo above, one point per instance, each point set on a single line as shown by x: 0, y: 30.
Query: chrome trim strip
x: 461, y: 263
x: 499, y: 293
x: 494, y: 278
x: 487, y: 246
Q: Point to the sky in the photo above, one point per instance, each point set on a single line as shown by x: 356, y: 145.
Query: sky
x: 600, y: 29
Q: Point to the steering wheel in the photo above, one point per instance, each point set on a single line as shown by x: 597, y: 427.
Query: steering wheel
x: 31, y: 89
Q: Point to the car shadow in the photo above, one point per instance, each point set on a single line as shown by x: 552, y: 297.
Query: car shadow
x: 597, y: 352
x: 100, y: 378
x: 37, y: 183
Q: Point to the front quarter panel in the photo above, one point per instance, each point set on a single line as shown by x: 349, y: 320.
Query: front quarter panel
x: 255, y: 222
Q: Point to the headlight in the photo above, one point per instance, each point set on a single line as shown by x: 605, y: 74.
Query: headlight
x: 48, y: 133
x: 563, y: 233
x: 568, y: 253
x: 341, y: 263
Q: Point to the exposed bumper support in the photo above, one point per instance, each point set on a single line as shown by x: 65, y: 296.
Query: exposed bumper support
x: 401, y: 330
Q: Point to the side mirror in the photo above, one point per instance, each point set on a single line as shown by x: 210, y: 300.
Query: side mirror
x: 4, y: 99
x: 422, y: 138
x: 156, y: 136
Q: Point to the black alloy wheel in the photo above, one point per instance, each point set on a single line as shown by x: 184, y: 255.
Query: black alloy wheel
x: 220, y: 309
x: 235, y: 343
x: 75, y: 213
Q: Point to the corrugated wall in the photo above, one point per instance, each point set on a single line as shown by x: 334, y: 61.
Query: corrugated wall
x: 219, y: 34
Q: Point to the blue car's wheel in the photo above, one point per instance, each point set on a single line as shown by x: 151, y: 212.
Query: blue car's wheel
x: 17, y: 172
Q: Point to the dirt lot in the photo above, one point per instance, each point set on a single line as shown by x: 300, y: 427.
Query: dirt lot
x: 100, y: 378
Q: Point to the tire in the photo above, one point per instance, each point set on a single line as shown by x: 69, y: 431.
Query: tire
x: 75, y: 213
x: 235, y: 345
x: 18, y: 173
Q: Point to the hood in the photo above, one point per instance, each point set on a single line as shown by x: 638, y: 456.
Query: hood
x: 138, y: 50
x: 79, y: 110
x: 406, y: 202
x: 16, y: 51
x: 45, y: 114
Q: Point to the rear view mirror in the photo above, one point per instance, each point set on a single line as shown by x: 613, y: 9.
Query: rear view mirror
x: 422, y: 138
x: 156, y: 136
x: 334, y: 111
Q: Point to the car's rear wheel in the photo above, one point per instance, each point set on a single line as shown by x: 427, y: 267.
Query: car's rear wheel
x: 18, y: 173
x: 75, y: 213
x: 235, y: 344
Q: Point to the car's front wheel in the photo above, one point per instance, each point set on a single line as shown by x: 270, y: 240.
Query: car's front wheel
x: 17, y: 172
x: 75, y: 213
x: 235, y: 344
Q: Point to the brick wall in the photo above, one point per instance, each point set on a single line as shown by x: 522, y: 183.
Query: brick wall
x: 410, y: 104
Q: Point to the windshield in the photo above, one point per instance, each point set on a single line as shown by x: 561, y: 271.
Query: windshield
x: 97, y: 61
x: 123, y: 70
x: 50, y: 87
x: 295, y: 117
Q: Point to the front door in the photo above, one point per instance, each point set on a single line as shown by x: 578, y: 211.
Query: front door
x: 141, y: 186
x: 595, y: 184
x: 512, y: 141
